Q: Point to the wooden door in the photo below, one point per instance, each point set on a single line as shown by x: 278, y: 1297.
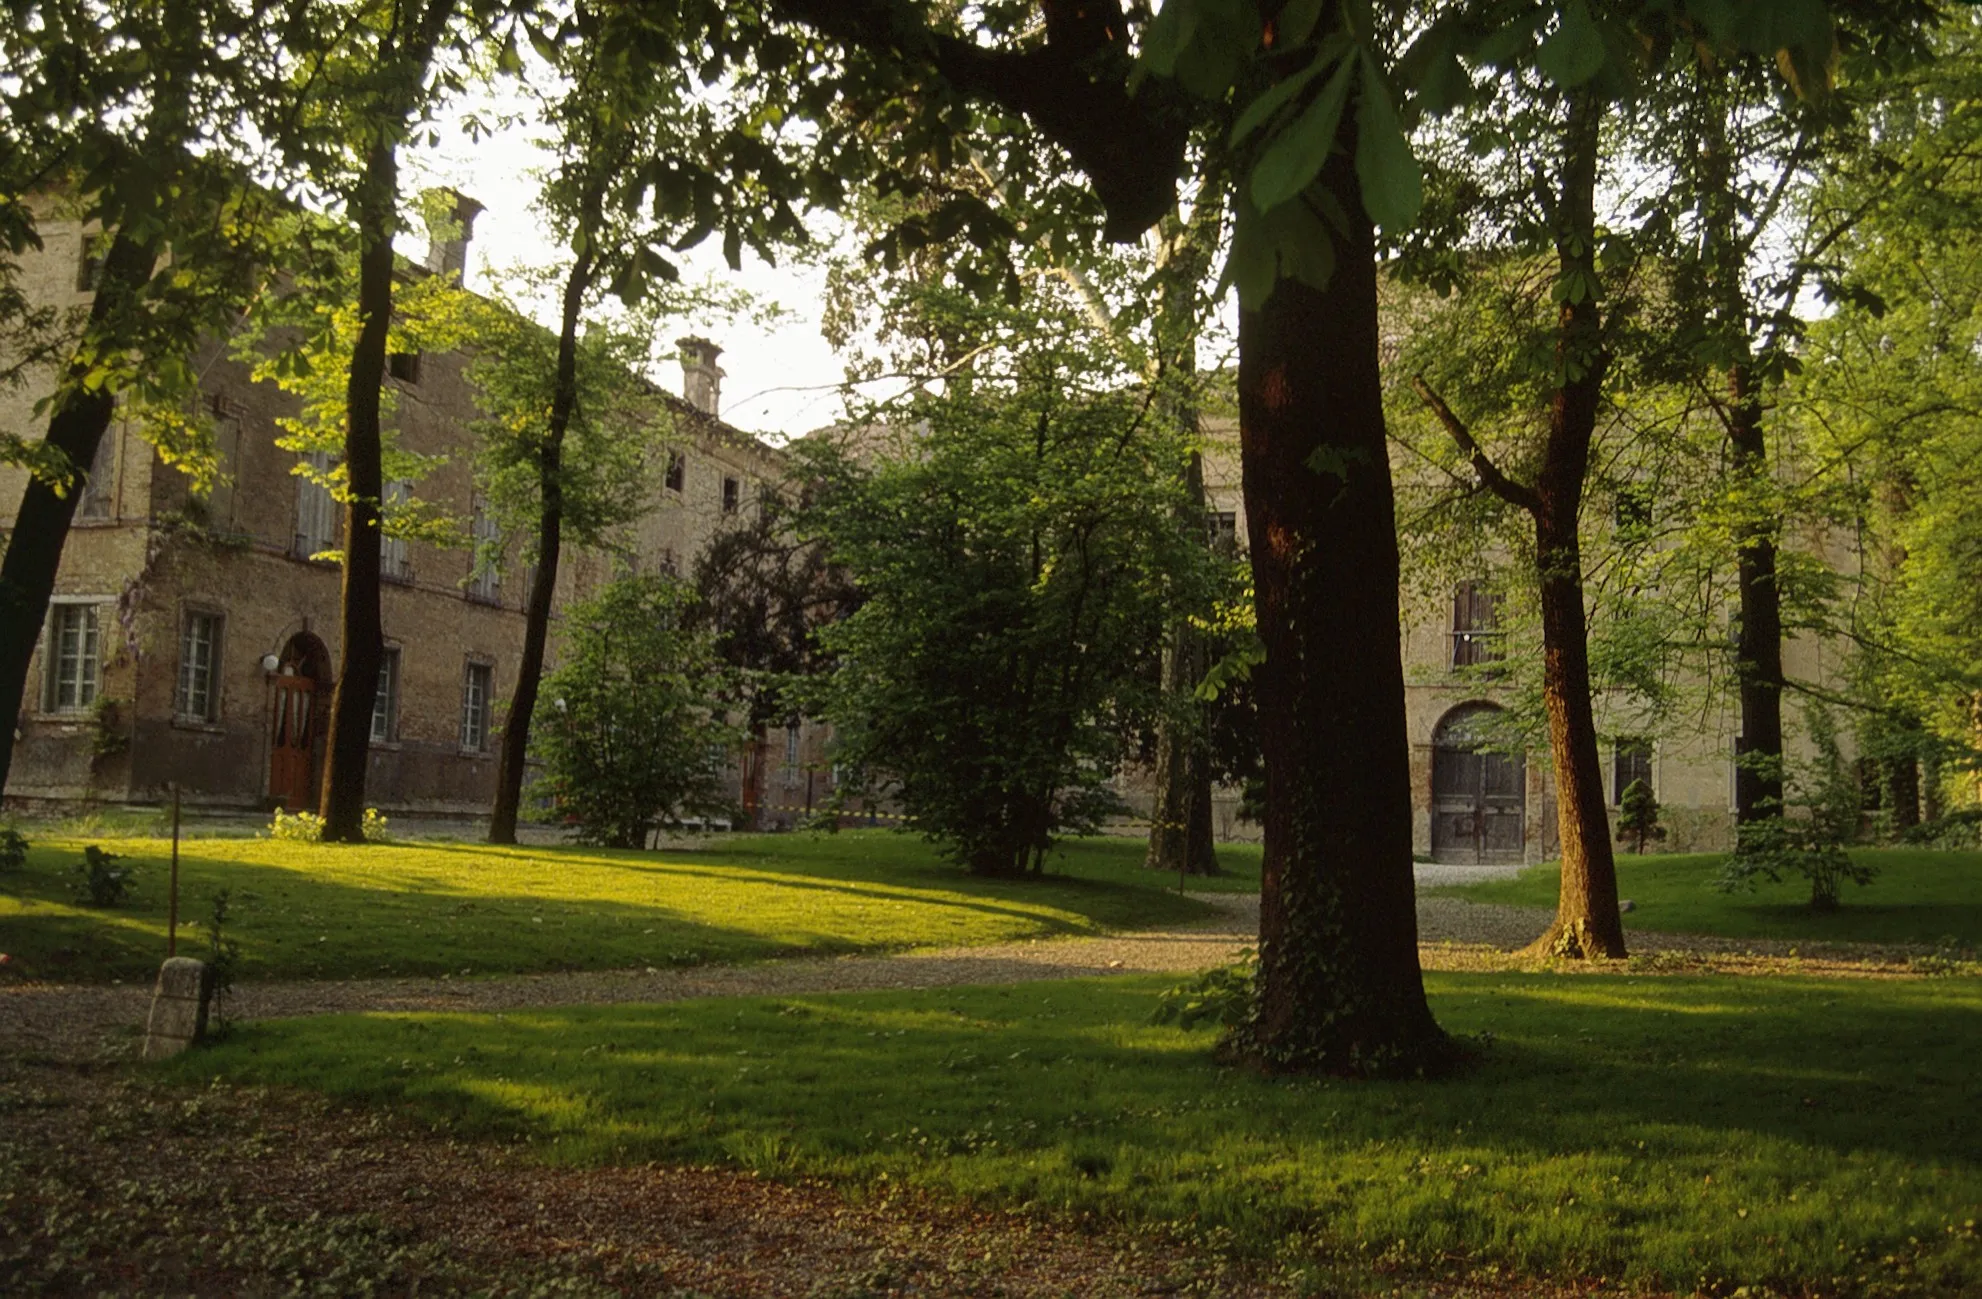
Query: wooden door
x: 1477, y: 805
x: 293, y: 742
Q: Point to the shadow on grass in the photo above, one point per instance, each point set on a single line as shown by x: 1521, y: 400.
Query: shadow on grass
x: 1761, y: 1129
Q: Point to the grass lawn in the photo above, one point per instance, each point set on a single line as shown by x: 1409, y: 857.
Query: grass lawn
x: 304, y: 910
x: 1919, y: 896
x: 1803, y: 1135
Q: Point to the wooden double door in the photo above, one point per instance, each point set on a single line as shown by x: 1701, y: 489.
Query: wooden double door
x: 1478, y: 800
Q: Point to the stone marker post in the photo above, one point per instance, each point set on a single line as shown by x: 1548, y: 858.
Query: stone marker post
x: 178, y: 1007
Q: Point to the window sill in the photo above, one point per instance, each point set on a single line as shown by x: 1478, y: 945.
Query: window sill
x: 387, y: 746
x: 483, y: 754
x: 76, y: 718
x: 198, y: 724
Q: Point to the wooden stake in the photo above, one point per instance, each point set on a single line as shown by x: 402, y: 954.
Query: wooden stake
x: 172, y: 918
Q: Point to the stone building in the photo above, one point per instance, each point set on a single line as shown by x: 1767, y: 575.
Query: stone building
x: 194, y: 640
x: 1470, y: 805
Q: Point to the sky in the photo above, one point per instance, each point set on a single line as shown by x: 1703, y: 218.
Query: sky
x: 780, y: 380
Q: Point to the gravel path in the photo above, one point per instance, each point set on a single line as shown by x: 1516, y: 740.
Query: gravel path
x: 64, y: 1020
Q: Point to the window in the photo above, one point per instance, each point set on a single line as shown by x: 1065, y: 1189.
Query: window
x: 1631, y: 760
x: 1475, y: 625
x: 199, y: 668
x: 404, y: 366
x: 89, y: 265
x: 791, y: 755
x: 485, y: 577
x: 316, y: 509
x: 1222, y: 528
x: 385, y: 705
x: 94, y: 501
x: 732, y: 494
x: 677, y: 470
x: 393, y: 562
x: 476, y: 686
x: 72, y: 668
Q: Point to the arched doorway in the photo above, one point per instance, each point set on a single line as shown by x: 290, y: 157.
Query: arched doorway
x: 299, y: 706
x: 1478, y: 799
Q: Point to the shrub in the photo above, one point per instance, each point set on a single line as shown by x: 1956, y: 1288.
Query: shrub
x: 1808, y: 839
x: 1956, y: 830
x: 307, y: 827
x: 13, y: 848
x: 223, y: 956
x: 99, y: 880
x: 1638, y: 816
x: 1222, y: 996
x: 633, y: 736
x: 299, y: 827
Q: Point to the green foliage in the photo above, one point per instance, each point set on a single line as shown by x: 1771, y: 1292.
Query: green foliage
x: 1956, y: 830
x: 301, y: 340
x: 1599, y: 1135
x: 1018, y: 553
x: 632, y: 739
x: 1808, y: 836
x: 1638, y: 815
x: 223, y: 955
x: 99, y: 880
x: 307, y: 827
x: 13, y: 848
x: 340, y: 911
x: 1222, y: 996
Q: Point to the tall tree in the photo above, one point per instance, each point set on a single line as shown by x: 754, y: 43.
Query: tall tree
x: 382, y: 85
x: 646, y: 162
x: 134, y: 110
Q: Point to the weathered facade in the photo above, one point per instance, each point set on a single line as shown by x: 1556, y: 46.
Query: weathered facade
x: 194, y: 640
x: 1470, y: 805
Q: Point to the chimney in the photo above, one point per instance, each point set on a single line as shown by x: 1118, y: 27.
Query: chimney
x: 450, y: 225
x: 701, y: 377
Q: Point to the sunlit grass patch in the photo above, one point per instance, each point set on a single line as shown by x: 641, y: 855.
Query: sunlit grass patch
x: 1681, y: 1132
x: 306, y: 910
x: 1919, y: 896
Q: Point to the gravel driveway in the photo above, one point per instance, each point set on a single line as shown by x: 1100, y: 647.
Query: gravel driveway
x: 1454, y: 934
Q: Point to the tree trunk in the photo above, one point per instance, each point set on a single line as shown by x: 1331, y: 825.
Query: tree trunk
x: 1587, y: 923
x: 41, y: 525
x: 550, y: 538
x: 349, y: 749
x: 1339, y: 988
x: 1758, y: 641
x: 1758, y: 626
x: 1900, y: 792
x: 1180, y: 839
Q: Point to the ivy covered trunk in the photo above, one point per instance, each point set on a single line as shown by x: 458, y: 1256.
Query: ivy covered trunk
x: 1339, y: 987
x: 363, y: 646
x: 1587, y: 923
x: 41, y: 525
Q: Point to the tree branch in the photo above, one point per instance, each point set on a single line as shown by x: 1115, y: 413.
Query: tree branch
x: 1516, y: 494
x: 1074, y: 88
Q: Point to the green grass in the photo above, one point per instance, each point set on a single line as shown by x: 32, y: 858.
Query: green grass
x: 304, y: 910
x: 1712, y: 1132
x: 1919, y: 896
